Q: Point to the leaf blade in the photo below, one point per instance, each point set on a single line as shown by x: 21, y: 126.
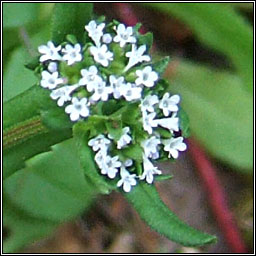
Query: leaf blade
x: 70, y: 18
x: 147, y: 202
x: 220, y: 27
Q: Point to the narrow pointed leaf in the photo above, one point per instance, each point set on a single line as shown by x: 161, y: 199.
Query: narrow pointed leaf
x: 152, y: 210
x: 161, y: 65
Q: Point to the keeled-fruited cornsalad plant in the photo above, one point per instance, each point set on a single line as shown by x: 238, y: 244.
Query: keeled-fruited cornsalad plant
x: 103, y: 83
x: 114, y: 68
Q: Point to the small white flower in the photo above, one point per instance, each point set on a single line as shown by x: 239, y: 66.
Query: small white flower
x: 110, y: 166
x: 49, y: 52
x: 169, y: 104
x: 150, y: 147
x: 101, y: 54
x: 90, y: 78
x: 149, y: 170
x: 174, y: 145
x: 101, y: 92
x: 107, y: 38
x: 146, y: 77
x: 125, y: 138
x: 118, y: 85
x: 63, y: 94
x: 72, y: 54
x: 77, y: 108
x: 100, y: 157
x: 52, y: 67
x: 95, y: 31
x: 147, y: 104
x: 130, y: 92
x: 49, y: 80
x: 149, y: 122
x: 124, y: 35
x: 136, y: 56
x: 170, y: 123
x: 99, y: 143
x: 127, y: 180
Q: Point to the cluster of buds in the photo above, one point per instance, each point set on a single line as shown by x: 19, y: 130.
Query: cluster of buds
x: 113, y: 66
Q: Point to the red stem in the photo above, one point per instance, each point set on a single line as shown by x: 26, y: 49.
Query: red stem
x: 206, y: 170
x: 216, y: 197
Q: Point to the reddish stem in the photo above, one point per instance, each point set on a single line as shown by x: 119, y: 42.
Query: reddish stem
x: 127, y: 14
x: 216, y: 197
x: 206, y: 170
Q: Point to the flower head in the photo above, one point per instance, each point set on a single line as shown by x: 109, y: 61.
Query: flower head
x: 110, y: 166
x: 90, y: 78
x: 150, y: 147
x: 124, y: 35
x: 170, y: 123
x: 118, y: 85
x: 147, y: 104
x: 101, y: 54
x: 149, y: 122
x: 127, y: 180
x: 174, y: 145
x: 146, y: 77
x: 63, y: 94
x: 136, y: 56
x: 77, y: 108
x: 95, y: 31
x: 99, y: 143
x: 149, y: 170
x: 49, y: 52
x: 169, y: 103
x: 50, y: 81
x: 101, y: 91
x: 125, y: 138
x: 100, y: 157
x: 131, y: 92
x: 72, y: 54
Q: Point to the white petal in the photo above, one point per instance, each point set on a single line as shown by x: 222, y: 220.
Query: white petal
x: 127, y: 187
x: 74, y: 116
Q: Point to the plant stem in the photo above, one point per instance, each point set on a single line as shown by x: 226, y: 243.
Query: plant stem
x: 217, y: 197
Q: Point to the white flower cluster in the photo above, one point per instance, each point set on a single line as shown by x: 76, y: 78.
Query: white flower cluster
x: 79, y: 86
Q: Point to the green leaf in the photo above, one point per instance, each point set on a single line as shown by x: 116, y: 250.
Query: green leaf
x: 152, y: 210
x: 161, y: 65
x: 114, y: 128
x: 184, y: 123
x: 19, y: 14
x: 70, y: 18
x: 220, y: 27
x: 220, y: 112
x: 23, y: 78
x: 163, y: 177
x: 146, y: 39
x: 134, y: 152
x: 51, y: 189
x: 86, y: 157
x: 22, y: 116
